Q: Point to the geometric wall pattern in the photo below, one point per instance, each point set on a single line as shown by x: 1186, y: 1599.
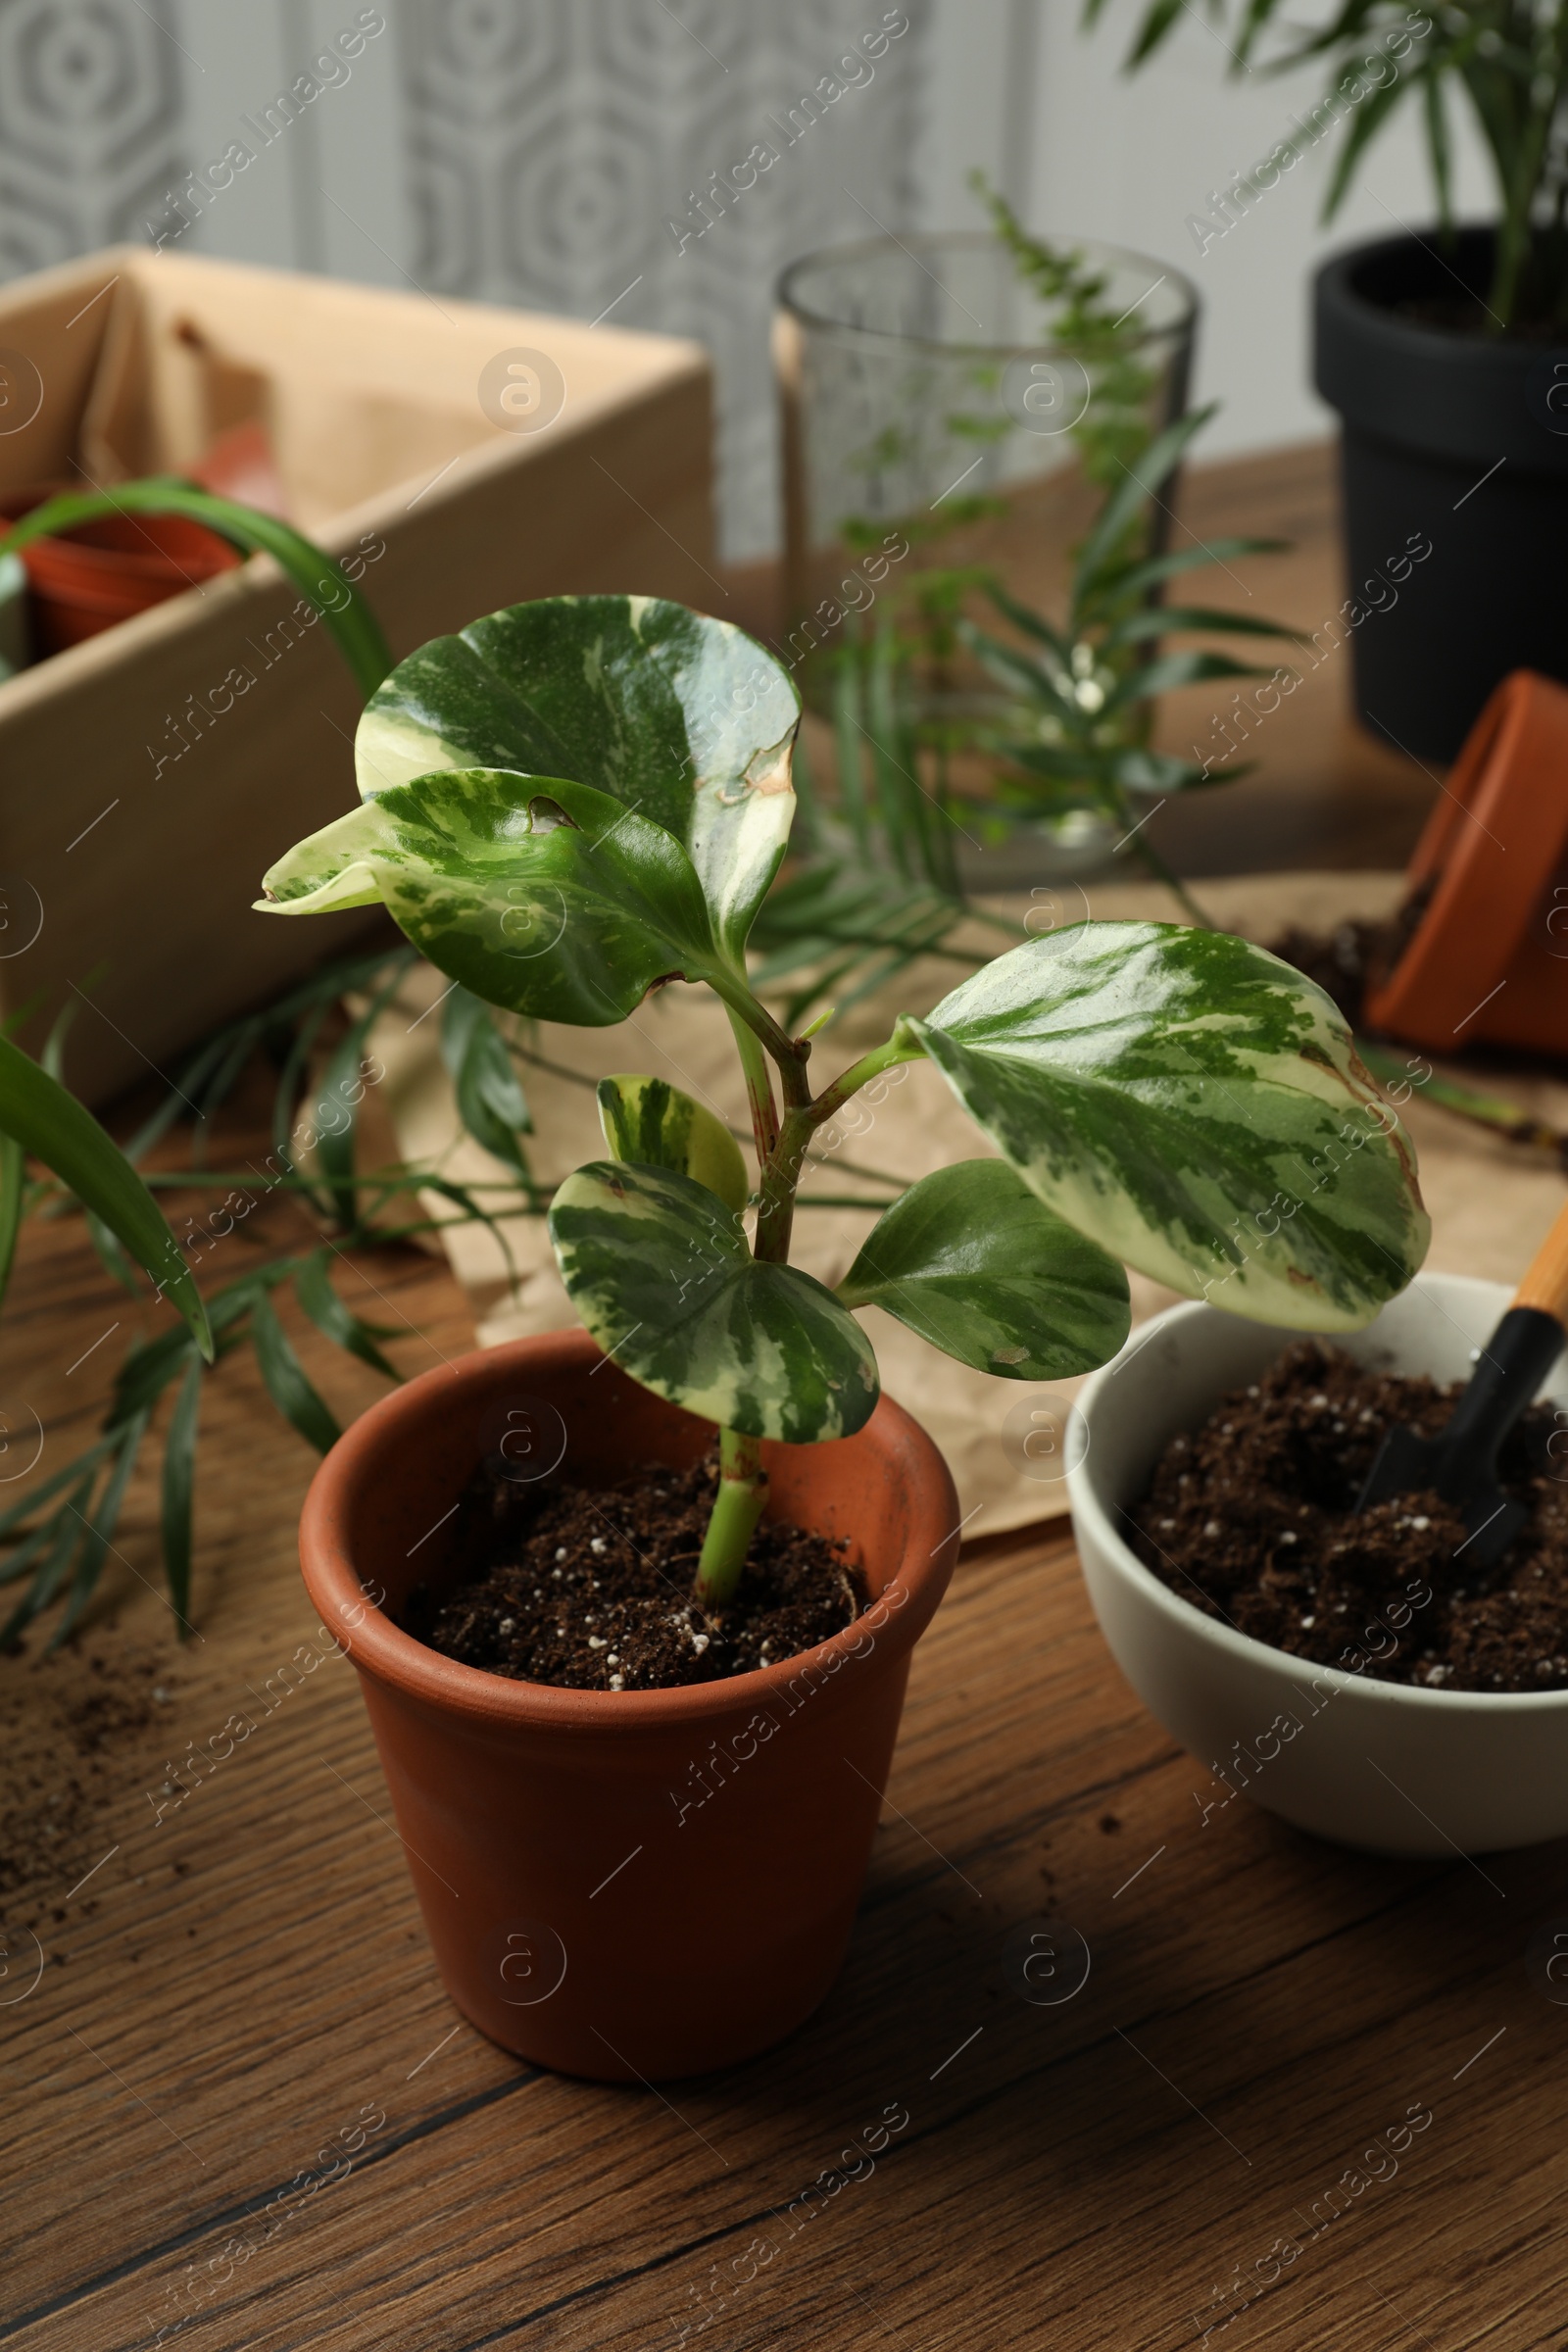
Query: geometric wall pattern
x: 570, y: 155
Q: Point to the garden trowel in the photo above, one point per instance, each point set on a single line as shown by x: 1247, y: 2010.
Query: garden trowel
x: 1460, y: 1463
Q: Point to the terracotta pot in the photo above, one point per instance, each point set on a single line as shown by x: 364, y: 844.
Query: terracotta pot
x: 1489, y: 957
x: 87, y: 579
x: 640, y: 1883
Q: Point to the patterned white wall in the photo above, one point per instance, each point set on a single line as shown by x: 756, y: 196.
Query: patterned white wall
x: 527, y: 151
x: 90, y: 124
x: 580, y: 154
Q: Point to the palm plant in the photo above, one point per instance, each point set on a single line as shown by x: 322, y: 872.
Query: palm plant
x: 1507, y: 58
x: 40, y: 1118
x: 1083, y: 694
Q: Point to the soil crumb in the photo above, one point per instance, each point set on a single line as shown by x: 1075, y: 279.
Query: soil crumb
x: 1251, y: 1519
x: 592, y: 1590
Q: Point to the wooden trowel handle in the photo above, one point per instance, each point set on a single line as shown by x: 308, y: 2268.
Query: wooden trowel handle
x: 1546, y: 1286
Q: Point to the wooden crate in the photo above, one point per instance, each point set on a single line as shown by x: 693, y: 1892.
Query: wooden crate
x: 144, y: 784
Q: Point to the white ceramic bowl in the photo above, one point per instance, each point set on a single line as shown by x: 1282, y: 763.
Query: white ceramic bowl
x: 1373, y: 1764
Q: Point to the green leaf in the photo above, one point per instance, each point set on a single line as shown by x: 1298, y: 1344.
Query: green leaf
x: 65, y: 1531
x: 976, y: 1265
x: 654, y: 1265
x: 338, y: 1099
x: 1164, y: 620
x: 1117, y: 586
x: 312, y: 1288
x: 318, y: 576
x: 97, y: 1533
x: 13, y: 1193
x: 653, y: 1123
x: 491, y: 1101
x: 146, y: 1372
x: 179, y: 1481
x: 284, y: 1375
x: 1158, y: 460
x: 1175, y: 669
x: 84, y: 1467
x: 1196, y: 1108
x: 1032, y: 623
x: 1370, y: 118
x: 539, y: 895
x: 38, y: 1112
x: 680, y: 717
x: 1022, y: 673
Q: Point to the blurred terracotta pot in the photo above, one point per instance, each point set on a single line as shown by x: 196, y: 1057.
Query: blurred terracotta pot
x: 640, y: 1883
x: 85, y: 580
x: 1489, y: 958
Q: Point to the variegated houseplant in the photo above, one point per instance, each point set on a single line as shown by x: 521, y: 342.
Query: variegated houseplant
x: 578, y: 801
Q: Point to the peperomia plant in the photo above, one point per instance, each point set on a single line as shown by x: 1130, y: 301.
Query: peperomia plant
x: 578, y: 801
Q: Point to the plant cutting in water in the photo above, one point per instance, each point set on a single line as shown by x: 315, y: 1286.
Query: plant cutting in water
x: 579, y: 801
x: 1083, y: 694
x: 881, y: 885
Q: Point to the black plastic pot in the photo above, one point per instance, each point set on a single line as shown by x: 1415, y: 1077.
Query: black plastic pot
x: 1456, y: 439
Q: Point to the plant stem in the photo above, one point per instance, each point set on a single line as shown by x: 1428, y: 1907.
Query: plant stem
x: 742, y: 1482
x: 790, y: 1054
x: 782, y: 1175
x: 742, y: 1493
x: 885, y: 1056
x: 758, y: 1088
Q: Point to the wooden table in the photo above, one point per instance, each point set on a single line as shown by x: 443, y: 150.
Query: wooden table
x: 220, y: 1994
x: 224, y: 1992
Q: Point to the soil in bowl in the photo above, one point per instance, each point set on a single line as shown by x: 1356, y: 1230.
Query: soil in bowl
x: 1251, y: 1519
x: 592, y: 1590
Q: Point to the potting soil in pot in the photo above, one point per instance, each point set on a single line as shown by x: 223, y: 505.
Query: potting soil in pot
x: 1251, y: 1519
x: 592, y: 1590
x: 1355, y: 958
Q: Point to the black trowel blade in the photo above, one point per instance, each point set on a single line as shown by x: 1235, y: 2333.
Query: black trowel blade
x: 1409, y: 1464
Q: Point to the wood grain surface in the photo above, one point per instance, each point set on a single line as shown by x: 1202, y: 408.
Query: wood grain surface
x: 1305, y: 2100
x: 236, y: 2092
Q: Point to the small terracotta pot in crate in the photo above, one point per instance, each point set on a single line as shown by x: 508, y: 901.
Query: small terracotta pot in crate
x: 1489, y: 957
x: 638, y: 1883
x: 93, y: 577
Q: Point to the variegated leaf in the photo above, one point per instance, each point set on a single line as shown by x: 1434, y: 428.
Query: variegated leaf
x: 538, y: 893
x: 661, y: 1274
x: 651, y: 1122
x: 976, y: 1265
x: 681, y: 717
x: 1196, y: 1106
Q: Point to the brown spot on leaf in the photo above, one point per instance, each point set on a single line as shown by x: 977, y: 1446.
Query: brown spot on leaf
x: 769, y: 770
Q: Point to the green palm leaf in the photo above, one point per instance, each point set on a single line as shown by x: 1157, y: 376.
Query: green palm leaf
x: 41, y: 1118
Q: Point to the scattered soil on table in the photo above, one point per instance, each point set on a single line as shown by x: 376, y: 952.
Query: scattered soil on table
x: 70, y: 1725
x: 592, y: 1591
x: 1355, y: 958
x: 1251, y: 1519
